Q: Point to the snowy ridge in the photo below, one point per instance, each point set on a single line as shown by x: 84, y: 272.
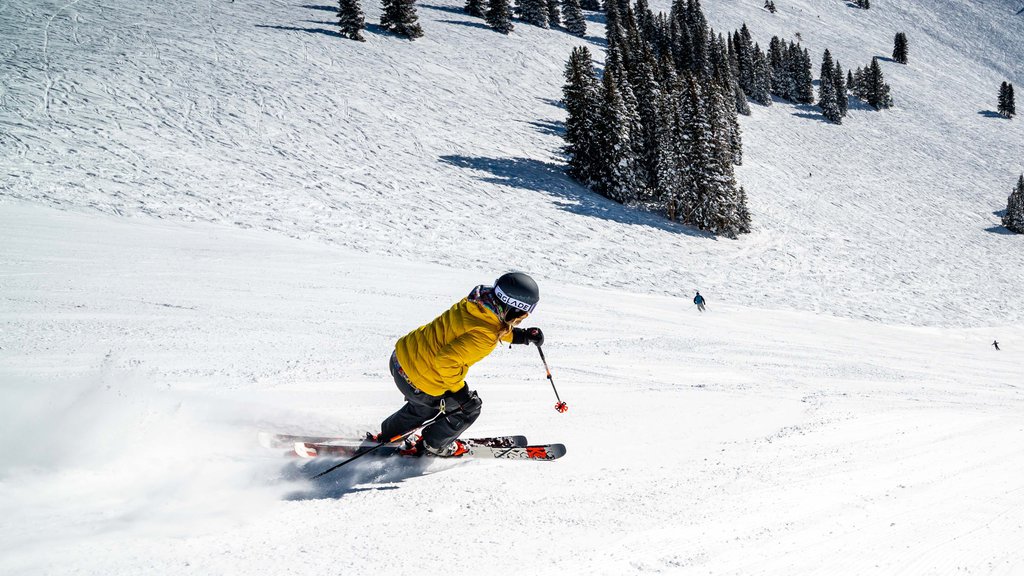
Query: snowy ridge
x: 445, y: 149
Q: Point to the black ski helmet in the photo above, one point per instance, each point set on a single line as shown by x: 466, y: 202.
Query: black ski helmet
x: 518, y: 292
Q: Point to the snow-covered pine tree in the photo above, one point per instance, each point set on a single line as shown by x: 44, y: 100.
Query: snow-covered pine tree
x: 762, y: 93
x: 647, y: 91
x: 722, y: 197
x: 575, y: 22
x: 780, y: 74
x: 1007, y: 104
x: 670, y: 165
x: 700, y: 38
x: 475, y: 8
x: 581, y: 97
x: 745, y: 59
x: 695, y: 134
x: 839, y: 81
x: 827, y: 97
x: 1014, y: 217
x: 877, y: 90
x: 804, y: 77
x: 742, y: 212
x: 865, y: 4
x: 617, y: 163
x: 351, y: 20
x: 899, y: 50
x: 592, y: 5
x: 534, y: 12
x: 499, y: 17
x: 399, y: 17
x: 858, y: 84
x: 554, y: 13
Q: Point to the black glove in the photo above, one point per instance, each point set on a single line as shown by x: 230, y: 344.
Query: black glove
x: 528, y: 336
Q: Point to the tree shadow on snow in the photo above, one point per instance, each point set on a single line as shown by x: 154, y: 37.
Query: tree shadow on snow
x: 366, y: 475
x: 553, y: 102
x: 550, y: 178
x: 449, y: 9
x: 989, y: 114
x: 1001, y: 230
x: 886, y: 59
x: 332, y: 33
x: 324, y: 8
x: 1000, y: 213
x: 549, y: 127
x: 468, y: 23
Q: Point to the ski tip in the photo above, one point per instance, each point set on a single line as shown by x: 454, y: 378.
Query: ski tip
x: 555, y: 451
x: 303, y: 450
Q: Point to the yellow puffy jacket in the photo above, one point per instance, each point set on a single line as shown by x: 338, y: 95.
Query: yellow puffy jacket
x: 437, y: 356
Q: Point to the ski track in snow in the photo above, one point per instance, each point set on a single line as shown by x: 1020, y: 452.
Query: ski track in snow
x: 262, y: 117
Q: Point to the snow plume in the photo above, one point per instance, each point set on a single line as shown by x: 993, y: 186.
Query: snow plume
x: 113, y: 452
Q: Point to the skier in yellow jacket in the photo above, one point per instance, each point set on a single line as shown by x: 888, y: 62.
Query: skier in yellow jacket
x: 429, y: 364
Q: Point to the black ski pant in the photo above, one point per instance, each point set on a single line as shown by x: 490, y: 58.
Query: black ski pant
x: 462, y: 409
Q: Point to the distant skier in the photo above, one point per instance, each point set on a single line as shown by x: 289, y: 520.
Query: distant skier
x: 996, y: 344
x: 699, y: 301
x: 429, y: 364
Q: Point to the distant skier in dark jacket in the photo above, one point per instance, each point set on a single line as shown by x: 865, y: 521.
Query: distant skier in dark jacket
x: 699, y: 301
x: 996, y: 344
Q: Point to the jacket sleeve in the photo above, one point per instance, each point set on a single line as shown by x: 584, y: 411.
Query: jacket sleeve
x: 454, y: 360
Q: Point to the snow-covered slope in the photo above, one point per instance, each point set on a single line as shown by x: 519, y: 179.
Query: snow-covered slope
x: 217, y: 217
x: 445, y: 149
x: 138, y: 360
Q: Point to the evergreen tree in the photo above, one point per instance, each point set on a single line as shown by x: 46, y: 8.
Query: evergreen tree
x: 865, y: 4
x: 1007, y: 105
x: 804, y: 77
x: 1014, y: 217
x: 647, y: 91
x: 899, y: 51
x: 776, y: 60
x: 534, y: 12
x: 499, y: 17
x: 575, y: 22
x: 581, y: 96
x: 839, y: 81
x: 617, y: 163
x: 745, y: 59
x: 877, y: 91
x: 762, y: 89
x: 742, y: 212
x: 827, y: 97
x: 475, y: 8
x: 554, y: 14
x: 399, y: 17
x: 351, y: 20
x: 592, y: 5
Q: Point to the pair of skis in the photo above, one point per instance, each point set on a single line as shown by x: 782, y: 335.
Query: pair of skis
x: 497, y: 447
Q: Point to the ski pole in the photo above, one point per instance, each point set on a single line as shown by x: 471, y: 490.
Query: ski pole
x: 560, y: 406
x: 402, y: 436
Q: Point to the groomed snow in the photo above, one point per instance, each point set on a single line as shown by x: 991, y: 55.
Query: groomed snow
x: 139, y: 359
x: 217, y: 217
